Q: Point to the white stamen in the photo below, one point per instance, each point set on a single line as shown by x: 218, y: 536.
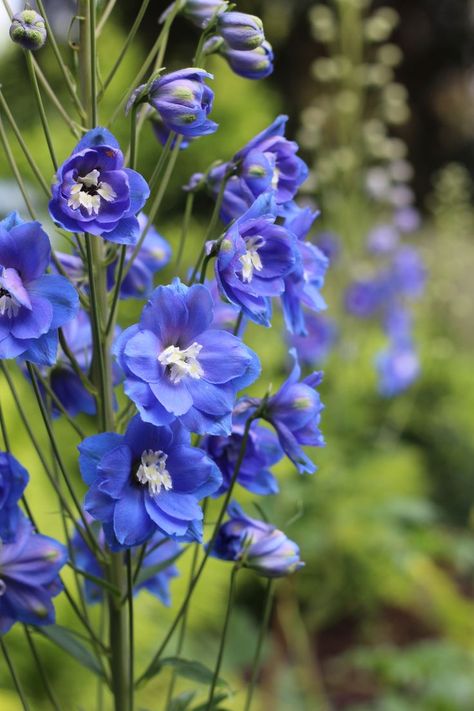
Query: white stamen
x: 3, y: 587
x: 9, y: 306
x: 87, y: 192
x: 251, y: 259
x: 275, y: 178
x: 182, y: 362
x: 152, y: 471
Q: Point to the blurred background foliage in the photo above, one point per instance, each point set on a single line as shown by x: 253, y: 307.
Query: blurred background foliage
x: 382, y: 616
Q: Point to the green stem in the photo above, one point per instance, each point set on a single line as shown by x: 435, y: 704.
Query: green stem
x: 161, y: 161
x: 217, y: 525
x: 133, y: 137
x: 93, y: 60
x: 188, y: 211
x: 41, y: 110
x: 125, y: 46
x: 3, y: 428
x: 15, y: 171
x: 131, y: 660
x: 230, y: 601
x: 117, y: 287
x: 73, y: 126
x: 119, y: 643
x: 23, y: 146
x: 41, y: 670
x: 58, y: 403
x: 104, y: 17
x: 75, y: 365
x: 261, y: 639
x: 15, y: 677
x: 211, y: 226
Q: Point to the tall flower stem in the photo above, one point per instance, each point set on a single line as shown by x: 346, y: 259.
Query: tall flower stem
x: 188, y: 211
x: 220, y: 655
x: 14, y: 675
x: 119, y: 641
x: 14, y: 168
x: 41, y: 109
x: 41, y: 669
x: 261, y: 639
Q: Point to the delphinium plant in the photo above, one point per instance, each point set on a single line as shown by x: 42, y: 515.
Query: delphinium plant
x: 168, y: 422
x: 361, y: 169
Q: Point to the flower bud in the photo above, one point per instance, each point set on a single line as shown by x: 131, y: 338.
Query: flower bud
x: 201, y: 12
x: 251, y: 64
x: 28, y: 30
x: 241, y: 31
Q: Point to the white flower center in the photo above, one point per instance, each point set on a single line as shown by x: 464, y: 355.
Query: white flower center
x: 9, y: 306
x: 182, y: 362
x: 3, y: 587
x: 152, y: 471
x: 88, y: 191
x: 275, y: 178
x: 251, y: 261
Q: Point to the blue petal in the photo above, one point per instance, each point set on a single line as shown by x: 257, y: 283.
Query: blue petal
x: 126, y: 232
x: 91, y: 451
x: 61, y: 294
x: 99, y: 136
x: 139, y: 191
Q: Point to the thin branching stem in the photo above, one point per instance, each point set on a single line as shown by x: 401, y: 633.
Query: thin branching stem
x: 14, y: 168
x: 42, y: 671
x: 261, y: 638
x: 14, y: 676
x: 41, y: 110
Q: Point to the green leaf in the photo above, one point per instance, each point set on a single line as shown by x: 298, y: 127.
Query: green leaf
x: 195, y: 671
x: 181, y: 702
x: 68, y: 641
x: 101, y: 582
x: 149, y: 572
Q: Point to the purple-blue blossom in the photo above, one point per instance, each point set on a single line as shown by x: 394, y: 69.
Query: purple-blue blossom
x: 177, y: 366
x: 398, y: 367
x: 149, y: 479
x: 262, y: 452
x: 29, y: 568
x: 314, y: 347
x: 256, y: 545
x: 255, y: 256
x: 95, y: 193
x: 33, y: 304
x: 251, y: 63
x: 183, y: 100
x: 240, y: 31
x: 13, y: 480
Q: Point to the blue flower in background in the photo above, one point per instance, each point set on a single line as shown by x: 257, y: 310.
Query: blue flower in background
x: 29, y: 568
x: 13, y: 480
x: 253, y: 260
x: 199, y: 12
x: 257, y: 544
x: 184, y: 101
x: 162, y: 133
x: 398, y: 367
x: 150, y: 479
x: 33, y: 305
x: 160, y: 550
x: 176, y: 366
x: 262, y: 451
x: 95, y: 193
x: 314, y: 347
x: 153, y: 256
x: 240, y: 31
x: 267, y: 162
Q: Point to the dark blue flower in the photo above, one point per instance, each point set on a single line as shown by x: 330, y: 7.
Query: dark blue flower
x: 29, y: 580
x: 256, y: 544
x: 314, y: 347
x: 267, y: 162
x: 153, y: 256
x: 184, y: 101
x: 95, y: 193
x: 33, y: 305
x: 262, y: 451
x: 304, y: 283
x: 161, y: 549
x: 150, y: 479
x: 252, y: 63
x: 240, y: 31
x: 364, y: 298
x: 162, y: 133
x: 28, y: 29
x: 408, y: 272
x: 13, y: 480
x: 177, y: 367
x: 254, y: 258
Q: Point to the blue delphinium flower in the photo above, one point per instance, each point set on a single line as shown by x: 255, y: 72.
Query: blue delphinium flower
x: 295, y: 413
x: 262, y: 451
x: 254, y: 258
x: 240, y: 31
x: 256, y: 544
x: 28, y: 29
x: 95, y: 193
x: 149, y: 479
x: 153, y: 256
x: 267, y: 162
x: 33, y: 305
x: 251, y: 63
x: 184, y: 101
x: 29, y: 568
x: 199, y: 12
x: 314, y: 347
x: 162, y: 132
x: 177, y: 367
x: 13, y: 480
x: 304, y: 283
x: 398, y: 367
x: 161, y: 549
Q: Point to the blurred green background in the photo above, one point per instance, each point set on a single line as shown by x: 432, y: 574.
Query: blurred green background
x: 382, y: 616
